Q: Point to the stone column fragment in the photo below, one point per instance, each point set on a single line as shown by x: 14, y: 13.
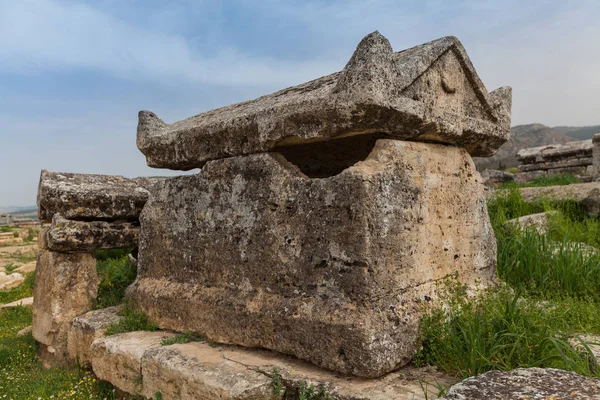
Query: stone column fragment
x: 76, y: 236
x: 66, y: 285
x: 91, y: 197
x: 596, y: 156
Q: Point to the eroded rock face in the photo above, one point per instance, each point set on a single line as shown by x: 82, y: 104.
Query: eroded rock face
x: 429, y: 92
x: 596, y: 156
x: 66, y: 285
x: 118, y: 359
x: 537, y: 222
x: 75, y: 236
x: 250, y: 251
x: 526, y: 383
x: 91, y: 197
x: 85, y: 329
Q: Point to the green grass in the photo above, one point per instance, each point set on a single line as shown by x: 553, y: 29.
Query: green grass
x: 557, y: 296
x: 22, y: 376
x: 5, y: 229
x: 116, y: 273
x: 557, y: 180
x: 10, y: 268
x: 501, y: 331
x: 133, y: 320
x: 182, y: 338
x: 20, y: 292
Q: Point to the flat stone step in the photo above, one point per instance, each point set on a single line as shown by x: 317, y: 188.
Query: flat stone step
x: 138, y: 363
x: 26, y: 302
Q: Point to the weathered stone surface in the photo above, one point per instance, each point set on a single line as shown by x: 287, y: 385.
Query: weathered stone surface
x: 24, y: 331
x: 206, y: 371
x: 91, y: 197
x: 333, y: 271
x: 427, y: 93
x: 583, y: 343
x: 526, y: 383
x: 66, y: 285
x: 537, y: 222
x: 560, y: 164
x: 26, y: 302
x: 117, y: 359
x: 74, y: 236
x: 494, y: 177
x: 596, y: 155
x: 26, y: 268
x: 555, y: 152
x: 9, y: 281
x: 87, y: 328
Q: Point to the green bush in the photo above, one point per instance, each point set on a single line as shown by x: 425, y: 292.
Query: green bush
x: 133, y: 320
x: 182, y: 338
x: 115, y: 274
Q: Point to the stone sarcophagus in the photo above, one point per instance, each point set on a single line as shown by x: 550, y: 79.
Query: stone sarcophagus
x: 314, y: 227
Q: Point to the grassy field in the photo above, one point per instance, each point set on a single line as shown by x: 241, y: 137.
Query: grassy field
x: 21, y: 375
x: 550, y: 295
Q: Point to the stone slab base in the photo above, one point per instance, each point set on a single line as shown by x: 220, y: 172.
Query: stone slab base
x: 87, y: 328
x: 137, y: 363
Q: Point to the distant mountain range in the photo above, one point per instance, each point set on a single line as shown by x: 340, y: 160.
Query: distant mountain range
x: 18, y: 210
x: 533, y: 135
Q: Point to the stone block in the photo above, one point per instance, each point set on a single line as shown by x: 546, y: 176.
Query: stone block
x: 526, y: 383
x: 596, y: 155
x: 66, y: 285
x: 85, y: 329
x: 333, y: 270
x: 207, y: 371
x: 91, y: 197
x: 118, y: 359
x: 427, y: 93
x: 76, y: 236
x: 556, y: 152
x: 560, y: 164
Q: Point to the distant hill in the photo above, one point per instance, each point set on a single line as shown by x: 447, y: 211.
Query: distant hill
x: 578, y: 133
x: 18, y: 210
x: 533, y: 135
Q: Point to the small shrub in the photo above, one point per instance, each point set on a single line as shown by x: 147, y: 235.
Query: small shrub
x: 133, y: 320
x: 297, y: 390
x: 10, y: 268
x: 15, y: 234
x: 182, y: 338
x: 115, y: 274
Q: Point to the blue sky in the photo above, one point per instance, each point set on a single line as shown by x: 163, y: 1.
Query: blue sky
x: 74, y: 74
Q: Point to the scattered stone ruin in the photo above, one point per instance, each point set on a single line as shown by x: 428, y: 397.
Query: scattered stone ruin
x: 87, y: 213
x: 573, y: 158
x: 324, y: 219
x: 596, y: 156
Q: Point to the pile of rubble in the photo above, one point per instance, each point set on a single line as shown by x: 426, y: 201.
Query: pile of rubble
x: 573, y: 158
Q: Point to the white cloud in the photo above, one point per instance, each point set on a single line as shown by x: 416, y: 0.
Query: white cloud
x: 43, y: 34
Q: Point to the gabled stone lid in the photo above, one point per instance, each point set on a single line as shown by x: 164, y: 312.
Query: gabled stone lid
x: 429, y: 92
